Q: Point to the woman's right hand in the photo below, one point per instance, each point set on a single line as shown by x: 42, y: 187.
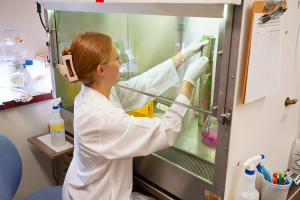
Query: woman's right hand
x: 193, y: 48
x: 193, y: 72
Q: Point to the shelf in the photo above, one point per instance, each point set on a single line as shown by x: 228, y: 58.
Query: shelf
x: 47, y: 150
x: 38, y: 97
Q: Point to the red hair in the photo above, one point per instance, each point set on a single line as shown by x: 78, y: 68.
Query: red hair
x: 88, y: 50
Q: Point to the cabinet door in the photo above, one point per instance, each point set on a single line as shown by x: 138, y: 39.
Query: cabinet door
x: 62, y: 167
x: 60, y: 180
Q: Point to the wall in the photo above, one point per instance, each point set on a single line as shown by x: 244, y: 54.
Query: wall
x: 257, y: 127
x: 23, y: 16
x: 22, y: 122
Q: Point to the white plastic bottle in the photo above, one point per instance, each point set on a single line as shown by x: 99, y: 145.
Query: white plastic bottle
x: 247, y: 191
x: 57, y: 126
x: 295, y: 158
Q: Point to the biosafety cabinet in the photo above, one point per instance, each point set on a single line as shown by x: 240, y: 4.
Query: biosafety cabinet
x: 146, y: 33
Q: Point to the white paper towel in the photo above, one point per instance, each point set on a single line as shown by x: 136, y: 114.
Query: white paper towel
x: 47, y: 140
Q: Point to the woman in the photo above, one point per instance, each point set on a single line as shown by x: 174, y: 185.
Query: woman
x: 106, y: 139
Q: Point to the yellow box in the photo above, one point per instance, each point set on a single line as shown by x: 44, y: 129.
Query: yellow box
x: 142, y: 112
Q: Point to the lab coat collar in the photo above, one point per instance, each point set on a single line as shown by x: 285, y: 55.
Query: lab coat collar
x: 95, y: 96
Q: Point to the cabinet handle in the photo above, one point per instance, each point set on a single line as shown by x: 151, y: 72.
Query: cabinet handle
x: 66, y: 163
x: 64, y: 171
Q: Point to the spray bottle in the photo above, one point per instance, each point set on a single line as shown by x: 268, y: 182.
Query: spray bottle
x: 57, y: 126
x: 247, y: 191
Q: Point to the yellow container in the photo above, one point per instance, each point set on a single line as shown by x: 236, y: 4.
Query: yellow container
x: 142, y: 112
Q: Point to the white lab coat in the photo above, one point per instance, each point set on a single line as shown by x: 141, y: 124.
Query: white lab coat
x: 106, y: 139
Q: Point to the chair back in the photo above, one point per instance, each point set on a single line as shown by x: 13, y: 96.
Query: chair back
x: 10, y: 168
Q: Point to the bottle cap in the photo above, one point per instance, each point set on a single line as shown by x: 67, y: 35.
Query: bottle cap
x: 253, y: 163
x: 275, y: 175
x: 298, y: 141
x: 28, y: 62
x: 249, y: 172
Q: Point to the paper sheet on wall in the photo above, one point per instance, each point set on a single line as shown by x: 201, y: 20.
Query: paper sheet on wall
x: 265, y: 58
x: 47, y: 140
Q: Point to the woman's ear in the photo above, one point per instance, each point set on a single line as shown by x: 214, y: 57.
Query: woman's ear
x: 100, y: 70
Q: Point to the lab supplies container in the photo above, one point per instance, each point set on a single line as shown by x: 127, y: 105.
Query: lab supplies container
x: 295, y: 158
x: 11, y: 59
x: 28, y: 83
x: 271, y: 191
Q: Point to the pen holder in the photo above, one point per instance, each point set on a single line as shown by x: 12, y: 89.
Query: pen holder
x: 271, y: 191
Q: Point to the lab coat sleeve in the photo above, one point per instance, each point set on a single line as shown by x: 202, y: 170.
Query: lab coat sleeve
x: 124, y: 136
x: 154, y: 81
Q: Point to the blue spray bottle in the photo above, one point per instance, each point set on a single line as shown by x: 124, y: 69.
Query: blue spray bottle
x: 247, y: 191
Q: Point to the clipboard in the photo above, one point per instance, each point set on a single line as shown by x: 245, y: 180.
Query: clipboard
x: 258, y: 7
